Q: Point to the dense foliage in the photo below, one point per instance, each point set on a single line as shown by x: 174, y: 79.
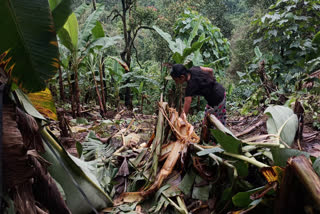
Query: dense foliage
x: 285, y: 53
x: 215, y: 51
x: 117, y: 55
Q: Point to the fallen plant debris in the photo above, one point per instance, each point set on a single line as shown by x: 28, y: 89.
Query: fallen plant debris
x: 170, y: 171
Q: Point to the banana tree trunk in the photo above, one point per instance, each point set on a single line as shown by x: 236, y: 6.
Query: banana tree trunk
x: 77, y: 91
x: 98, y: 94
x: 71, y: 91
x: 25, y: 173
x: 101, y: 71
x: 141, y: 104
x: 300, y: 187
x: 72, y: 96
x: 61, y: 88
x: 105, y: 81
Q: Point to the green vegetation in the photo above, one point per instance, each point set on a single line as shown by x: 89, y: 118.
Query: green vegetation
x: 107, y: 65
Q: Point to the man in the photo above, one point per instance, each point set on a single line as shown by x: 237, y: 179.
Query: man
x: 201, y: 82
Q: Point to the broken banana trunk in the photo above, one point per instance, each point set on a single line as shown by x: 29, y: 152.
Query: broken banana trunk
x: 300, y: 188
x: 184, y: 134
x: 26, y: 178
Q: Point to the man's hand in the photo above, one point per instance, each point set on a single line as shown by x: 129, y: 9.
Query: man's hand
x: 183, y: 116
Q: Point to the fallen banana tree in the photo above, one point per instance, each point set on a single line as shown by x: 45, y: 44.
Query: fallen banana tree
x: 184, y: 134
x: 245, y: 190
x: 275, y: 146
x: 68, y: 175
x: 170, y: 170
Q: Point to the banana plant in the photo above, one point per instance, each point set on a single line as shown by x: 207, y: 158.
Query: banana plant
x: 79, y: 44
x: 142, y: 81
x: 92, y: 63
x: 115, y: 73
x: 73, y: 175
x: 282, y: 126
x: 97, y: 50
x: 31, y: 60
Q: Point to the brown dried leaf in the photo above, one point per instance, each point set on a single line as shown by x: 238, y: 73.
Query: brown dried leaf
x: 124, y: 169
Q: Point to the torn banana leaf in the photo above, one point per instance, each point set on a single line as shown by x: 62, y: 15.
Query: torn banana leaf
x: 80, y: 172
x: 43, y: 101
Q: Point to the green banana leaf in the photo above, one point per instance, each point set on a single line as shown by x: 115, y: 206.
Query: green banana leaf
x: 79, y: 11
x: 104, y: 42
x: 89, y: 24
x: 194, y: 31
x: 168, y: 38
x: 185, y: 51
x: 97, y: 31
x: 195, y: 46
x: 69, y: 33
x: 316, y: 39
x: 61, y: 9
x: 28, y: 30
x: 81, y: 173
x: 283, y: 122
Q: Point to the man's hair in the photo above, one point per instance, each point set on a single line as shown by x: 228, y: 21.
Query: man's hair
x: 179, y: 70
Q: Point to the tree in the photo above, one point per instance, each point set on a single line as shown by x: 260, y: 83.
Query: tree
x: 214, y: 52
x: 217, y: 12
x: 134, y: 19
x: 91, y: 36
x: 261, y: 3
x: 286, y: 34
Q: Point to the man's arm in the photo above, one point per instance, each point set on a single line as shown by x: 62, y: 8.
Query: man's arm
x: 187, y: 103
x: 209, y: 70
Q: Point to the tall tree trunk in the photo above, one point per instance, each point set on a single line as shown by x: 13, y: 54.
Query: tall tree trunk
x: 61, y: 89
x: 94, y: 4
x: 126, y: 54
x: 101, y: 71
x: 98, y: 94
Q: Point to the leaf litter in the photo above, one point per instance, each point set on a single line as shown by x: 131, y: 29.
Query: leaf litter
x: 163, y: 169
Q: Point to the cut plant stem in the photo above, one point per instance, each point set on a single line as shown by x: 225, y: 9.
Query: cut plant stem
x: 299, y: 184
x: 307, y: 176
x: 219, y: 160
x: 244, y: 158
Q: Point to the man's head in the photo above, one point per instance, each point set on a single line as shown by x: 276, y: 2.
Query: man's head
x: 179, y: 73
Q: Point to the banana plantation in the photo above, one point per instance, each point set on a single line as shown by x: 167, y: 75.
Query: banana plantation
x: 160, y: 106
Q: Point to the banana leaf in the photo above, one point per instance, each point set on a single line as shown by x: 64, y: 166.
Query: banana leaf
x: 89, y: 24
x: 283, y: 122
x: 68, y: 34
x: 61, y: 9
x: 78, y: 170
x: 82, y: 190
x: 28, y: 30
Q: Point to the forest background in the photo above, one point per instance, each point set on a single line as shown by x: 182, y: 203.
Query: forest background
x: 113, y: 60
x: 241, y: 36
